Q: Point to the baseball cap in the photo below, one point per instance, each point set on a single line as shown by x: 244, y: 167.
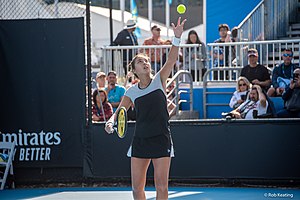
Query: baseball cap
x: 155, y: 27
x: 252, y: 52
x: 99, y: 74
x: 112, y: 72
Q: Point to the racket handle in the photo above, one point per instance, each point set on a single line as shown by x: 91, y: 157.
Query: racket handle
x: 109, y: 128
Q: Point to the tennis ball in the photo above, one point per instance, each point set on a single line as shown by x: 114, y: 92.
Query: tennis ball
x: 181, y: 9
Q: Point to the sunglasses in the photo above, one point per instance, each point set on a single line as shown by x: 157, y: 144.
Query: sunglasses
x: 242, y: 84
x: 288, y: 55
x: 297, y: 75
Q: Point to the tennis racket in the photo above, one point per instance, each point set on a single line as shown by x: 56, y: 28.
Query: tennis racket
x: 121, y: 122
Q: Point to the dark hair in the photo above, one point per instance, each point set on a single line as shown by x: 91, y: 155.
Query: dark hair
x: 112, y: 72
x: 131, y: 65
x: 234, y: 31
x: 223, y: 26
x: 96, y: 92
x: 189, y: 40
x: 288, y: 49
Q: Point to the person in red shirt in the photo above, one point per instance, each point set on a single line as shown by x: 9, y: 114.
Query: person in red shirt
x: 155, y: 54
x: 101, y: 108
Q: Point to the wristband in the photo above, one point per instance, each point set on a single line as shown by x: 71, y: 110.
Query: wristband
x: 109, y: 122
x: 176, y: 41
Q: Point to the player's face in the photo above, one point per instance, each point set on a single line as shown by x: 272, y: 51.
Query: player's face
x: 142, y: 66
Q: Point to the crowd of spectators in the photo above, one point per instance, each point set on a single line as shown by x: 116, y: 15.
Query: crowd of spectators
x: 254, y: 87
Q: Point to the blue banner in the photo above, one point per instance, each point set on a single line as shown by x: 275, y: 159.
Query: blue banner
x: 134, y: 12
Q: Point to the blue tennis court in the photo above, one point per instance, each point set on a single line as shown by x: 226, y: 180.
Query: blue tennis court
x: 124, y: 193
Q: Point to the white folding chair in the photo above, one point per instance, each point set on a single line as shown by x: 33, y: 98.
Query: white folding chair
x: 7, y: 148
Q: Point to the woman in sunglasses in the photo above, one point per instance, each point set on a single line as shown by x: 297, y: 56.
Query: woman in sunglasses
x: 240, y: 95
x: 291, y: 98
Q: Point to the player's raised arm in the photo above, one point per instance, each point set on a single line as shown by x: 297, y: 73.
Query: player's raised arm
x: 173, y: 54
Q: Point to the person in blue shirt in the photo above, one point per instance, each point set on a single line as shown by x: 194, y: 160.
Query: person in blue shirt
x: 282, y: 74
x: 114, y: 91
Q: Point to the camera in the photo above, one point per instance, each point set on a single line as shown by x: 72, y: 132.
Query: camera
x: 295, y: 78
x: 227, y: 115
x: 255, y: 114
x: 243, y: 97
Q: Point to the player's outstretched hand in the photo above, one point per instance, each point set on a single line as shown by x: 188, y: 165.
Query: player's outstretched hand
x: 178, y: 29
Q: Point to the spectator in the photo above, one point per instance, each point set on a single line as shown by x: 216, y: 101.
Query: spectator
x: 240, y: 95
x: 155, y: 55
x: 127, y: 38
x: 282, y: 74
x: 257, y: 74
x: 237, y: 49
x: 255, y: 105
x: 101, y: 109
x: 234, y: 34
x: 114, y: 91
x: 291, y: 98
x: 198, y: 56
x: 100, y: 79
x: 218, y: 53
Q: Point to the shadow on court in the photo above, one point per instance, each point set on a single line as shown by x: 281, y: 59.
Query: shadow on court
x: 176, y: 193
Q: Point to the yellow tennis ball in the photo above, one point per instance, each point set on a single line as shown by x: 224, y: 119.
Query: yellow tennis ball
x: 181, y: 8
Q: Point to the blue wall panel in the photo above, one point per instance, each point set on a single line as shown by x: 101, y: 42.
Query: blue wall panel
x: 231, y: 12
x: 212, y: 111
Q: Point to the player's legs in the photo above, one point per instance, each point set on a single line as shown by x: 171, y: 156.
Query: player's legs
x: 139, y: 168
x: 161, y: 176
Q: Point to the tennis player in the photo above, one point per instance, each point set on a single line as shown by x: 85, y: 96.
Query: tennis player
x: 152, y: 139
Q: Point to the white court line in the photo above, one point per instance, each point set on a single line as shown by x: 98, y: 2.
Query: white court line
x: 111, y: 195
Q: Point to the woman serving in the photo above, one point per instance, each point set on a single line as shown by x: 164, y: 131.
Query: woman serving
x: 152, y: 138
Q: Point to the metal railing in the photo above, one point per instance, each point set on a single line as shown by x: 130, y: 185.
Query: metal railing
x: 205, y: 92
x: 179, y: 79
x: 268, y: 20
x: 236, y: 55
x: 233, y: 54
x: 114, y: 58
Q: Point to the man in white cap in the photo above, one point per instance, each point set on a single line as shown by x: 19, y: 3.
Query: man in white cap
x: 127, y: 38
x: 100, y: 79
